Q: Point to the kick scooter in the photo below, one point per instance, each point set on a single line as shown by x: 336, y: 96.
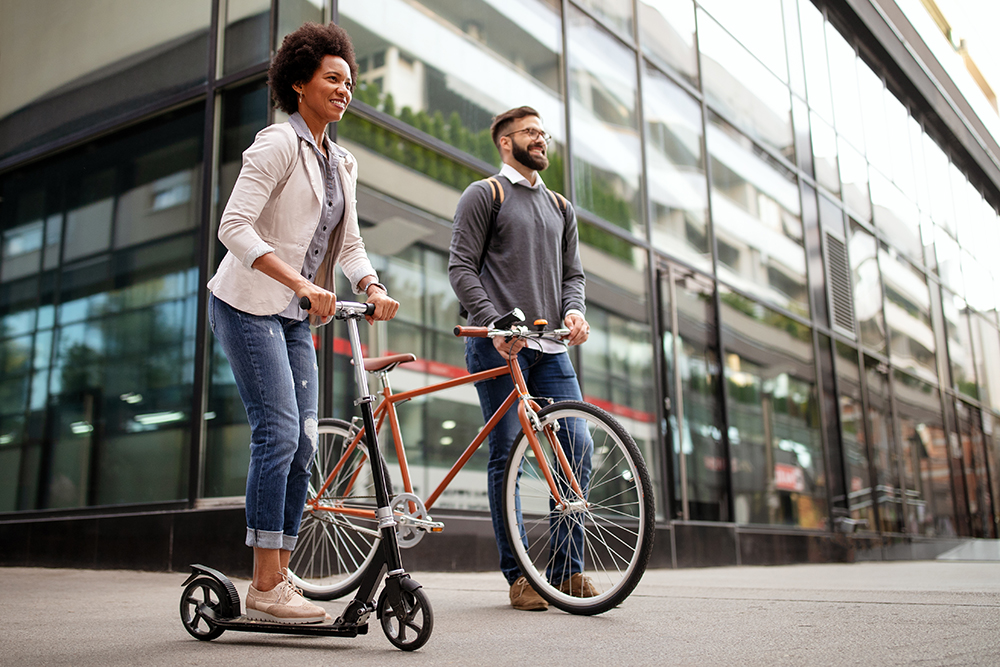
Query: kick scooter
x: 210, y: 604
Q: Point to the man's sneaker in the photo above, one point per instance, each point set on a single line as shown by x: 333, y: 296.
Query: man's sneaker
x: 282, y: 604
x: 526, y: 598
x: 579, y: 586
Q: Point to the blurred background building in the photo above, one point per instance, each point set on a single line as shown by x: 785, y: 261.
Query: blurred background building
x: 788, y: 214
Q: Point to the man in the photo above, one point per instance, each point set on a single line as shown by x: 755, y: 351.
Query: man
x: 532, y: 262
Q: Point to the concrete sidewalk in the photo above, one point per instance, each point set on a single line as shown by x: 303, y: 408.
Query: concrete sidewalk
x: 900, y: 613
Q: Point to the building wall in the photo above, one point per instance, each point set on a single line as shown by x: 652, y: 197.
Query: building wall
x: 788, y: 249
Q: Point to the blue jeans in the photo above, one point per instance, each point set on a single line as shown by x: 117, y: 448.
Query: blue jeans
x: 547, y: 376
x: 274, y: 363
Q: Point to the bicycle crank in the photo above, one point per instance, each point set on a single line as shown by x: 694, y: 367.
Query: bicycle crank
x: 412, y: 520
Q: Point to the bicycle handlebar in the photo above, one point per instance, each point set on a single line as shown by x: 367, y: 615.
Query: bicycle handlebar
x: 343, y: 309
x: 513, y: 332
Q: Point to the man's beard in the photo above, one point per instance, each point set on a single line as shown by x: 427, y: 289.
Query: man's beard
x: 538, y: 163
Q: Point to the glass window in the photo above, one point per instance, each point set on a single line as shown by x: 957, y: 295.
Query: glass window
x: 974, y: 469
x: 986, y: 346
x: 908, y: 316
x: 980, y: 291
x: 615, y: 13
x: 854, y: 439
x: 814, y: 54
x: 244, y: 113
x: 668, y: 35
x: 247, y: 38
x: 693, y: 375
x: 616, y: 364
x: 779, y: 476
x: 742, y: 89
x: 900, y: 152
x: 873, y: 112
x: 758, y: 25
x: 920, y: 169
x: 888, y: 493
x: 606, y: 144
x: 675, y: 173
x: 956, y: 322
x: 824, y: 145
x: 757, y: 220
x: 110, y: 368
x: 446, y: 68
x: 862, y: 250
x: 293, y: 13
x: 844, y: 85
x: 896, y: 216
x: 854, y: 180
x: 923, y: 447
x: 124, y: 55
x: 949, y: 259
x: 938, y: 173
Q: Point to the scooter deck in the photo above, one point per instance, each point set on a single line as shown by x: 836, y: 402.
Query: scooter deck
x: 244, y: 624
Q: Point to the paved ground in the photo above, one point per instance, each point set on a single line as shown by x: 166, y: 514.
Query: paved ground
x: 903, y: 613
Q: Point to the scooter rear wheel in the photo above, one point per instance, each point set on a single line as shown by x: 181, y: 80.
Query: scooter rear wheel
x: 213, y: 595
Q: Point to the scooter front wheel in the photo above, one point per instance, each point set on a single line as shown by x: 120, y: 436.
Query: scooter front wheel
x: 410, y: 629
x: 201, y: 594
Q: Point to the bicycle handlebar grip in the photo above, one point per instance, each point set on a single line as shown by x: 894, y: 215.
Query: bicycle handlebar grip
x: 472, y: 332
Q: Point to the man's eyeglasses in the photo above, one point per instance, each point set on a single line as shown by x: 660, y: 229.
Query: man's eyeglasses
x: 534, y: 134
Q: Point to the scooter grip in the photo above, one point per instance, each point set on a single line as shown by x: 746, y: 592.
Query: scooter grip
x: 305, y: 303
x: 472, y: 332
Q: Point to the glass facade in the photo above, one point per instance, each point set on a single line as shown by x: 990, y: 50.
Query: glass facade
x: 773, y: 375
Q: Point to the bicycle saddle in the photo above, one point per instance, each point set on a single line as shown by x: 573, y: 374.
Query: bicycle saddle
x: 376, y: 364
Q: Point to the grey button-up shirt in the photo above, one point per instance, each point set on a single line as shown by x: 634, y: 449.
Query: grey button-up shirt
x: 333, y: 209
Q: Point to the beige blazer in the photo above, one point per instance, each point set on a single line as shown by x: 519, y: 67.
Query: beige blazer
x: 269, y: 212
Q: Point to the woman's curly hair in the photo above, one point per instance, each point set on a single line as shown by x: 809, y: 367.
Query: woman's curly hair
x: 299, y: 57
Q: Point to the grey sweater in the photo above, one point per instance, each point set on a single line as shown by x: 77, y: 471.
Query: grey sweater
x: 533, y: 262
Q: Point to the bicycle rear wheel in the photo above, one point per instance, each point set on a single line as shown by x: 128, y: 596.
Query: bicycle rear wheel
x: 604, y: 536
x: 335, y: 547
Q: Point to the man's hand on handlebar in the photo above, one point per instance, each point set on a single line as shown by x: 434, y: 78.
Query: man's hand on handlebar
x: 579, y: 330
x: 507, y: 348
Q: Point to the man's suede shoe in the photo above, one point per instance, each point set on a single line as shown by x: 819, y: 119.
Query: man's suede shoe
x: 526, y: 598
x: 579, y: 586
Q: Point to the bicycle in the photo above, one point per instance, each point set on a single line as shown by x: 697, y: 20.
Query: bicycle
x: 546, y: 496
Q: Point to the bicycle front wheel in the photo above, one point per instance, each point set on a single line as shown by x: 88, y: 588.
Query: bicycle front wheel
x: 339, y: 534
x: 586, y: 553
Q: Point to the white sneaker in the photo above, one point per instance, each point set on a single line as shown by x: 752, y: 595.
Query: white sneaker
x: 282, y: 604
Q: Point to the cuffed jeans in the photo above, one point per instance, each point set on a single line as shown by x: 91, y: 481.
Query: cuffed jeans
x: 274, y: 363
x: 548, y: 376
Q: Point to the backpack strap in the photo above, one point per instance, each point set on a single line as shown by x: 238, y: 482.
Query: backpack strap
x: 497, y: 191
x: 560, y: 202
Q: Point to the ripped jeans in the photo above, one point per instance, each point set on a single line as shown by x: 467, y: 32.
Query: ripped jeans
x: 274, y: 363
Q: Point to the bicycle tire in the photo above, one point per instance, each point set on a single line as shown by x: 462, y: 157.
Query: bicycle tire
x: 334, y: 549
x: 615, y: 519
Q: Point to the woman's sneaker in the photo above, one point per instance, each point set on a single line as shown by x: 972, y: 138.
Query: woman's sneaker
x: 282, y: 604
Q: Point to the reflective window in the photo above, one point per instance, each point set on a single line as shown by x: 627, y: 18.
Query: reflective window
x: 949, y: 259
x: 888, y: 494
x: 615, y: 13
x: 758, y: 25
x: 675, y: 172
x: 825, y: 163
x: 124, y: 55
x: 896, y: 216
x: 873, y: 112
x: 779, y: 476
x: 920, y: 170
x: 900, y: 152
x: 986, y: 347
x: 668, y: 35
x: 844, y: 85
x: 974, y: 470
x: 607, y: 154
x: 616, y: 363
x: 98, y: 346
x: 756, y: 215
x: 814, y: 54
x: 908, y: 316
x: 862, y: 250
x: 247, y: 38
x: 939, y: 174
x: 293, y: 13
x: 693, y: 382
x: 446, y: 68
x: 923, y: 446
x: 854, y: 180
x: 853, y: 438
x: 740, y: 87
x: 956, y: 321
x: 227, y: 455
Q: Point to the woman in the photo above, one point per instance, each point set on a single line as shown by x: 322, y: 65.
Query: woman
x: 290, y: 219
